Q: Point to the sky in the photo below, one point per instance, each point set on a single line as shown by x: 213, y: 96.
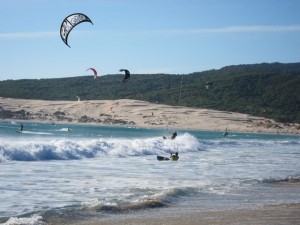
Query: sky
x: 145, y: 36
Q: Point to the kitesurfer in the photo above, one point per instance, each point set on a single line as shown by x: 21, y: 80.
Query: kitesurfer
x: 174, y: 156
x: 174, y: 135
x: 226, y: 132
x: 21, y: 128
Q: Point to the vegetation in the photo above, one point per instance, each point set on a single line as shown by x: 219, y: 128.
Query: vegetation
x: 269, y: 90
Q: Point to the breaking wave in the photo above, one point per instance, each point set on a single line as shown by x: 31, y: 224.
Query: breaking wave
x: 73, y: 149
x: 282, y: 180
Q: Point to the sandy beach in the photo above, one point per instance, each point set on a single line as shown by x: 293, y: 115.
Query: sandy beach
x: 125, y: 112
x: 283, y: 214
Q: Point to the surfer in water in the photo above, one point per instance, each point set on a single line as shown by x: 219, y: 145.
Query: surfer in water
x: 21, y: 128
x: 226, y: 132
x: 174, y: 156
x: 174, y: 135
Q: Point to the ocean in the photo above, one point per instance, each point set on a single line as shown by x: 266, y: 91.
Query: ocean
x: 58, y: 173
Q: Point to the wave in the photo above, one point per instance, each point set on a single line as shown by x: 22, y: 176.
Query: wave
x: 286, y: 180
x: 74, y: 149
x: 161, y: 199
x: 65, y: 129
x: 40, y: 133
x: 33, y: 220
x: 155, y: 201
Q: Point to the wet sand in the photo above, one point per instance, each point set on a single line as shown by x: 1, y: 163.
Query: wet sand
x: 221, y: 212
x: 283, y: 214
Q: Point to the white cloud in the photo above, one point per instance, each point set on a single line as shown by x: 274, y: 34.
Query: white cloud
x: 229, y: 29
x: 28, y: 35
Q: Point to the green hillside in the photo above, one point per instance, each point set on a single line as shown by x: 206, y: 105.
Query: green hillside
x: 269, y: 90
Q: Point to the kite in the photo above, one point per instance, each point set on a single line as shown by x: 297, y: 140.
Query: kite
x: 94, y: 71
x: 127, y: 74
x: 78, y: 99
x: 69, y: 23
x: 208, y: 85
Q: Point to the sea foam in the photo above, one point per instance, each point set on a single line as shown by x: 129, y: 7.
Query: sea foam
x: 74, y: 149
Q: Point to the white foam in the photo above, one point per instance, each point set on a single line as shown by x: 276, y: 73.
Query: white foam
x: 39, y: 133
x: 33, y: 220
x: 69, y: 149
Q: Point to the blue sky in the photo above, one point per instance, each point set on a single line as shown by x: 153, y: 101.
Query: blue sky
x: 145, y: 36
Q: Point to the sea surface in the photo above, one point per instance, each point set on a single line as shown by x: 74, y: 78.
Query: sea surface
x: 57, y: 172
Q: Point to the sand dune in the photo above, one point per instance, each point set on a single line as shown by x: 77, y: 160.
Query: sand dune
x: 138, y: 113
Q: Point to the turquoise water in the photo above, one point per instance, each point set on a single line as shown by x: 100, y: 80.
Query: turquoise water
x: 48, y: 172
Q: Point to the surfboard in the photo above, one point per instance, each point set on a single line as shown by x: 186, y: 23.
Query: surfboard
x: 161, y: 158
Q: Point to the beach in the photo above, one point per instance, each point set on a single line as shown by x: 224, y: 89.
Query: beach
x: 135, y: 113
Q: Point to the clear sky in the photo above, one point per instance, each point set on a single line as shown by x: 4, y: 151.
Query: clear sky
x: 145, y: 36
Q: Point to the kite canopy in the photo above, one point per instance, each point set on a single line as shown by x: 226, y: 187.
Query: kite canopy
x: 69, y: 23
x: 94, y: 71
x: 78, y: 99
x: 127, y: 75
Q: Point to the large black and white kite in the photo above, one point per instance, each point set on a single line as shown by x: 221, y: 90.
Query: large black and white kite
x: 69, y: 23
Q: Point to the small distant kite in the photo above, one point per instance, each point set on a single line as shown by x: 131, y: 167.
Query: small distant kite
x: 208, y: 85
x: 69, y: 23
x: 78, y: 99
x: 94, y: 71
x: 127, y: 74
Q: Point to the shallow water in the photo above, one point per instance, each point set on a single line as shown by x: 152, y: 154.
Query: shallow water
x: 48, y: 172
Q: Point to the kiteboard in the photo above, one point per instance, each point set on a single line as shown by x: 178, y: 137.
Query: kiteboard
x: 161, y: 158
x: 165, y: 138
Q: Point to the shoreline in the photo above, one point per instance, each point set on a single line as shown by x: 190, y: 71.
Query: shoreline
x: 136, y: 113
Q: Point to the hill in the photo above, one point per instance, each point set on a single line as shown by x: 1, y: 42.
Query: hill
x: 268, y: 90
